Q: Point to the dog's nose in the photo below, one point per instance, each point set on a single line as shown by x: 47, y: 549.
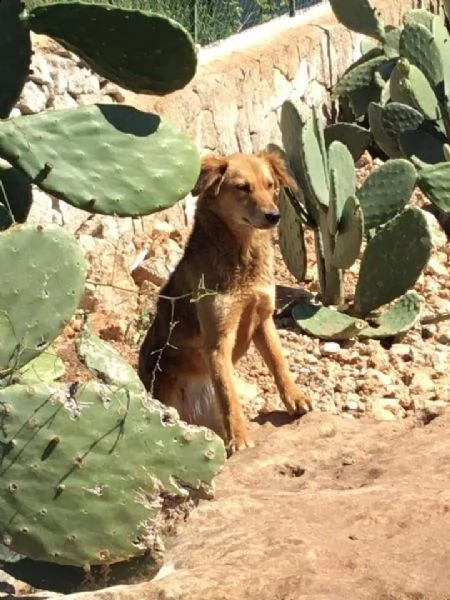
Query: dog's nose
x: 273, y: 217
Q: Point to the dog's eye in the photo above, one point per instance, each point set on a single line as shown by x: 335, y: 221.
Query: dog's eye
x: 270, y: 185
x: 243, y: 187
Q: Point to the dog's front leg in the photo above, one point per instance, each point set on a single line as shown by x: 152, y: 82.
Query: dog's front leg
x: 219, y: 331
x: 268, y: 343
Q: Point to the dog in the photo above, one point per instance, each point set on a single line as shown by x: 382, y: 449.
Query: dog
x: 220, y: 298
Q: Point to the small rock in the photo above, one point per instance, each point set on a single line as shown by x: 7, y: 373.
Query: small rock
x: 40, y: 70
x: 402, y: 351
x: 330, y: 348
x: 444, y: 337
x: 422, y: 383
x: 63, y: 100
x: 352, y: 405
x: 32, y: 100
x: 16, y: 112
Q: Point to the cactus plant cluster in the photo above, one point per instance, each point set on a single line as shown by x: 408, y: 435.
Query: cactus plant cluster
x: 343, y: 215
x: 400, y: 87
x: 84, y: 468
x: 101, y: 158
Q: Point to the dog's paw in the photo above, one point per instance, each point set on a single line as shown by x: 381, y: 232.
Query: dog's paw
x: 238, y: 443
x: 298, y: 404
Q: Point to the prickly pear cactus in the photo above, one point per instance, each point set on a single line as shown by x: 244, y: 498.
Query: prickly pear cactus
x: 85, y: 469
x: 359, y: 16
x: 109, y: 159
x: 43, y: 273
x: 141, y: 51
x: 326, y: 323
x: 292, y: 239
x: 386, y: 191
x: 105, y: 362
x: 398, y: 319
x: 393, y: 260
x: 15, y: 50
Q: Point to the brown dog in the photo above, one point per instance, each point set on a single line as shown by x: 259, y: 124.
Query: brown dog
x: 221, y: 297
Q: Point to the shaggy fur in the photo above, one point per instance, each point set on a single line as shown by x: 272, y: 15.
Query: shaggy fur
x: 220, y: 298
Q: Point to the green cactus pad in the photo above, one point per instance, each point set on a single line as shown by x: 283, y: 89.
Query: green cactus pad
x: 393, y: 260
x: 104, y: 360
x: 408, y: 85
x: 424, y: 143
x: 143, y: 52
x: 367, y: 45
x: 341, y: 162
x: 109, y: 159
x: 45, y: 368
x: 355, y: 137
x: 15, y: 54
x: 420, y: 16
x: 398, y: 319
x: 359, y: 76
x: 304, y: 153
x: 359, y: 16
x: 19, y: 196
x: 43, y: 273
x: 398, y: 118
x: 392, y: 42
x: 418, y: 46
x: 291, y: 238
x: 325, y: 323
x: 386, y: 191
x: 349, y: 236
x: 434, y: 181
x: 387, y: 142
x: 85, y: 469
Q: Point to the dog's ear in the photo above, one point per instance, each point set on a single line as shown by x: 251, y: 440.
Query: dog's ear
x: 211, y: 175
x: 279, y: 170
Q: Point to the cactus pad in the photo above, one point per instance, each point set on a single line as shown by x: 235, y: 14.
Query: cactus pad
x: 408, y: 85
x: 359, y: 16
x: 355, y: 137
x: 15, y: 54
x: 418, y: 46
x: 393, y: 260
x: 143, y: 52
x: 434, y: 181
x: 43, y: 272
x: 104, y: 360
x: 291, y: 238
x: 85, y: 469
x: 19, y: 196
x: 398, y: 319
x: 46, y: 367
x: 386, y: 191
x: 386, y: 141
x: 398, y: 118
x: 109, y: 159
x: 326, y: 323
x: 349, y: 236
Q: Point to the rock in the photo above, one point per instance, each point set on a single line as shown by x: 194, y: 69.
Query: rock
x: 32, y: 99
x: 40, y: 70
x: 62, y: 100
x: 330, y: 348
x: 403, y: 351
x: 387, y: 409
x: 422, y: 383
x: 83, y: 81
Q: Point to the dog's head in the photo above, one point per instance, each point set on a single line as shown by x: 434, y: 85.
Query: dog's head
x: 243, y: 188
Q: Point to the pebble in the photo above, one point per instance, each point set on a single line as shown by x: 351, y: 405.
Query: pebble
x: 330, y: 348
